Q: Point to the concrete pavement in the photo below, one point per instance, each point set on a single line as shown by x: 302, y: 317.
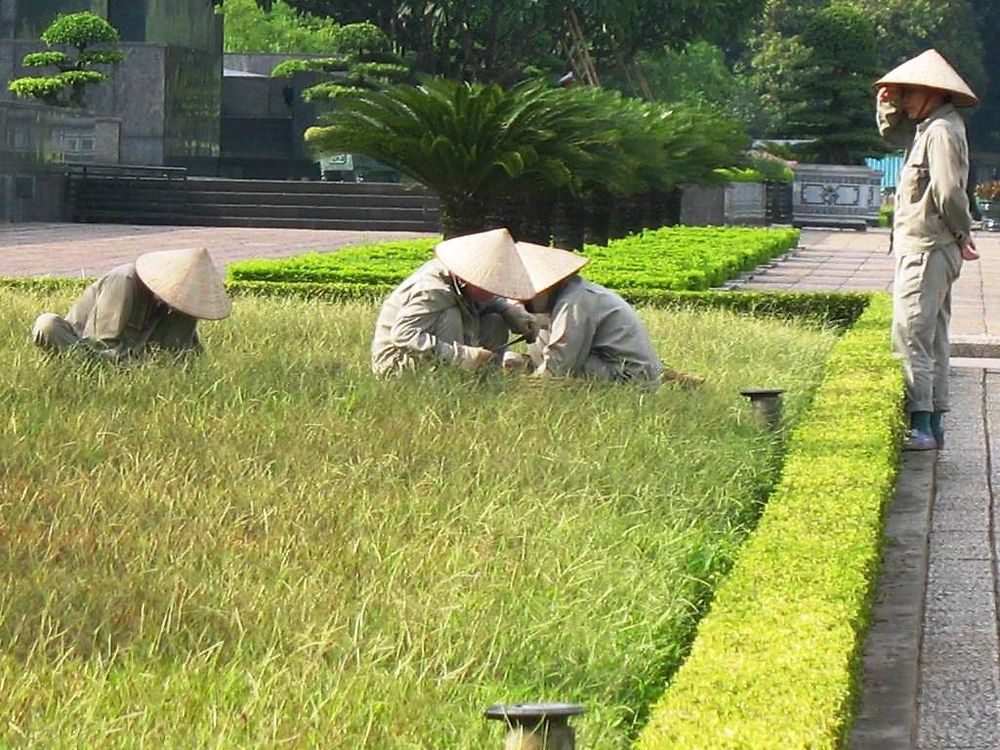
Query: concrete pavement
x: 932, y: 658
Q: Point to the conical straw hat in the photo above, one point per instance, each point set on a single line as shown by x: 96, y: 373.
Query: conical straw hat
x: 187, y: 280
x: 932, y: 71
x: 494, y: 262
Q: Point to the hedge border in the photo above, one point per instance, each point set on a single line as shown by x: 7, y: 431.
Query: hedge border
x: 831, y: 308
x: 776, y: 661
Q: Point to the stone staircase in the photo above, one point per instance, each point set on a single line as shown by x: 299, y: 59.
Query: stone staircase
x: 167, y: 195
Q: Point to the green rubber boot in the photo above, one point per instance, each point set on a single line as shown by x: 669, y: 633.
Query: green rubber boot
x: 920, y: 438
x: 937, y: 428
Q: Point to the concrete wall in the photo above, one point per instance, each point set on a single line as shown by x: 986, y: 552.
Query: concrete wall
x: 33, y: 147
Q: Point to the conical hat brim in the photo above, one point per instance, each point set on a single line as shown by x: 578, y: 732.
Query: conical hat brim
x: 930, y: 70
x: 495, y: 263
x: 187, y: 280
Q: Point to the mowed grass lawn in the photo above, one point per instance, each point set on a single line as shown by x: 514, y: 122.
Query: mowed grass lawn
x: 267, y: 547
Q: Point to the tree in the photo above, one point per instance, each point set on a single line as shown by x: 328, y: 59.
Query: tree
x: 832, y: 100
x: 276, y: 28
x: 66, y: 88
x: 481, y: 146
x: 502, y: 41
x: 362, y: 60
x: 903, y: 29
x: 984, y: 122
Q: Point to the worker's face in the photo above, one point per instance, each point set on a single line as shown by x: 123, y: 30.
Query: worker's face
x: 477, y: 295
x: 920, y: 102
x: 538, y: 305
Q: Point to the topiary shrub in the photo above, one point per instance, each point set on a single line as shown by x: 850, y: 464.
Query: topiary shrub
x: 66, y: 88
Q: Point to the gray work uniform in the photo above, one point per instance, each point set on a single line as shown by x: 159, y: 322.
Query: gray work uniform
x: 427, y: 318
x: 594, y: 333
x: 117, y: 317
x: 931, y: 219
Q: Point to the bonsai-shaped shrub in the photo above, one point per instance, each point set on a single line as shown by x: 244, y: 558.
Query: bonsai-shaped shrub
x: 362, y: 60
x: 66, y: 88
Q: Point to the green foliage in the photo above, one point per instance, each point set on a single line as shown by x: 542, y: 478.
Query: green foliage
x: 885, y: 215
x: 505, y: 42
x: 363, y: 62
x: 477, y: 146
x: 700, y: 74
x: 80, y: 31
x: 672, y: 258
x: 903, y: 28
x: 288, y: 68
x: 281, y: 29
x: 774, y: 662
x: 45, y: 59
x: 360, y: 39
x: 831, y: 102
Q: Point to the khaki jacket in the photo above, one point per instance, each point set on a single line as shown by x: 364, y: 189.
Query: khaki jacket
x: 594, y: 332
x: 932, y: 206
x: 424, y: 318
x: 117, y: 314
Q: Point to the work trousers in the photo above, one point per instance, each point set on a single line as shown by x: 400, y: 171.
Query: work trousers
x: 921, y: 311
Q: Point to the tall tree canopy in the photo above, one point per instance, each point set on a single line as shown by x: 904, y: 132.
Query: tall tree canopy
x: 903, y: 29
x: 831, y: 102
x: 501, y: 40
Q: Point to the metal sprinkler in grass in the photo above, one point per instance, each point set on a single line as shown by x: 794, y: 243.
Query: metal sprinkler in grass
x: 537, y: 726
x: 766, y: 403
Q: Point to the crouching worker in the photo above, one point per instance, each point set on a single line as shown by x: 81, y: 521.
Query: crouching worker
x: 592, y: 332
x: 156, y: 301
x: 457, y: 308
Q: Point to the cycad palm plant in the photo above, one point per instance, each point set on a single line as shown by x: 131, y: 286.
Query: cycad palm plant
x: 476, y: 146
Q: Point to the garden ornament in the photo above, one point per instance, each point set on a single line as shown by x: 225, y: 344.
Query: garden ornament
x: 494, y: 262
x: 930, y: 70
x: 537, y: 726
x: 187, y: 280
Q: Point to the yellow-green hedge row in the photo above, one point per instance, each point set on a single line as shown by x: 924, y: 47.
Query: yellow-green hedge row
x: 776, y: 660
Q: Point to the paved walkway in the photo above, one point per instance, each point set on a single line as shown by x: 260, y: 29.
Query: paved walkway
x: 932, y: 660
x: 92, y: 249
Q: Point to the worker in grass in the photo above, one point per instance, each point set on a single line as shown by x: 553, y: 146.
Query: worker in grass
x: 588, y: 331
x: 932, y: 227
x: 458, y: 308
x: 153, y: 303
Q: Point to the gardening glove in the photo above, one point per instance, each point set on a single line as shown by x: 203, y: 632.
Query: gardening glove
x: 473, y: 357
x: 521, y: 321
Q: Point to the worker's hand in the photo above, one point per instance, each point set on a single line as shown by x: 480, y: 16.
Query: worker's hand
x: 514, y: 362
x: 473, y: 357
x: 521, y: 321
x: 968, y: 250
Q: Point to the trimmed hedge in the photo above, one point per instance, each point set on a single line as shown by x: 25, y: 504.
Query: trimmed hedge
x: 672, y: 258
x: 775, y: 661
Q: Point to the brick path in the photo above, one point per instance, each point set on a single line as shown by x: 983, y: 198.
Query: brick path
x: 92, y: 249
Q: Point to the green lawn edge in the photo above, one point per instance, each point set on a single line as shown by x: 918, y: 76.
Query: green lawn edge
x: 776, y: 661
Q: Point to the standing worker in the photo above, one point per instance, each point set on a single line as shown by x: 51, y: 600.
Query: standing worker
x: 155, y: 302
x: 932, y: 227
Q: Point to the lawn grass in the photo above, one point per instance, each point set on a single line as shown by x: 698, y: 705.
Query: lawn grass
x: 267, y: 547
